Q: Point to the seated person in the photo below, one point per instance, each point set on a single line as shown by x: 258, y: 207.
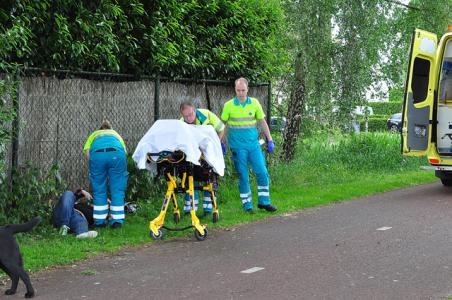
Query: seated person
x: 71, y: 215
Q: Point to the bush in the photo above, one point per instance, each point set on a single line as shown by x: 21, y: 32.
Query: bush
x: 32, y: 194
x: 386, y: 108
x: 374, y: 124
x: 141, y: 185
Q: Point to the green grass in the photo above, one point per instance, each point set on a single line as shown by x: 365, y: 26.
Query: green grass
x: 325, y: 170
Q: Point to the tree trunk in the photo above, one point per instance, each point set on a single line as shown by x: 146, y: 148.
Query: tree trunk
x: 294, y: 112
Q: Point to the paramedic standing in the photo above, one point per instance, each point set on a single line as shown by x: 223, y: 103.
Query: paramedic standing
x: 106, y: 152
x: 191, y: 115
x: 242, y: 114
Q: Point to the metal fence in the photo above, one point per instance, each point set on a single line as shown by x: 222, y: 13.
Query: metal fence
x: 56, y: 112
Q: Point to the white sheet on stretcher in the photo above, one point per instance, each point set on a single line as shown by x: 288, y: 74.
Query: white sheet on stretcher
x: 172, y: 135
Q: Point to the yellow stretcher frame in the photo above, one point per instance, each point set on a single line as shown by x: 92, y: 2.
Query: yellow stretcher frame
x: 157, y: 224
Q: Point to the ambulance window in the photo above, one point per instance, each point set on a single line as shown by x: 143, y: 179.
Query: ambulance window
x: 445, y: 85
x: 419, y: 83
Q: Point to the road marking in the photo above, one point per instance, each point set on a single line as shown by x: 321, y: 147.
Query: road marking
x: 252, y: 270
x: 384, y: 228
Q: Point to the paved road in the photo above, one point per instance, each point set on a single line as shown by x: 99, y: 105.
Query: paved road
x: 396, y: 245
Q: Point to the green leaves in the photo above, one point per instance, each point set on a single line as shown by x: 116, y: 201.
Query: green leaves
x: 192, y: 38
x: 33, y: 194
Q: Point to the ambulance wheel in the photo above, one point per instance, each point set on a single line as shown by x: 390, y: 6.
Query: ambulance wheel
x: 157, y: 237
x: 200, y: 237
x: 394, y: 129
x: 176, y: 218
x: 446, y: 181
x: 215, y: 217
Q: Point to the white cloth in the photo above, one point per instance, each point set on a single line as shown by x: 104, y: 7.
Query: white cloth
x: 172, y: 135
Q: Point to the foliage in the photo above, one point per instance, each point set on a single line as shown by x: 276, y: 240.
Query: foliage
x: 374, y: 124
x: 351, y: 47
x: 396, y: 95
x: 32, y: 194
x: 386, y: 108
x: 8, y: 87
x: 141, y: 185
x: 432, y: 16
x: 194, y: 38
x: 340, y: 43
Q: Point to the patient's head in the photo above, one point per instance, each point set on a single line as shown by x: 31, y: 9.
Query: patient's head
x: 188, y: 111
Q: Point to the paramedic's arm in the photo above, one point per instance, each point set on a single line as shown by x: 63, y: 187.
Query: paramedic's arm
x: 263, y: 124
x: 88, y: 143
x: 221, y: 134
x: 224, y: 135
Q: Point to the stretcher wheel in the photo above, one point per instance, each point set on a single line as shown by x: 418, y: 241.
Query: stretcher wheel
x: 176, y: 218
x: 200, y: 237
x: 215, y: 217
x: 157, y: 237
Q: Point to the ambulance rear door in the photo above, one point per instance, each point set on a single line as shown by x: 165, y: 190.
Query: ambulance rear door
x: 419, y: 94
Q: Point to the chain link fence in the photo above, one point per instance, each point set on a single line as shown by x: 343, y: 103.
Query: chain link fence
x: 58, y: 111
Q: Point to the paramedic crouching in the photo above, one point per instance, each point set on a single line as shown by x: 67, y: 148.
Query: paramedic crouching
x: 106, y: 152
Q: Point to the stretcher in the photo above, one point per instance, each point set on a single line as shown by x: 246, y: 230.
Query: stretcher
x: 180, y: 176
x: 183, y: 154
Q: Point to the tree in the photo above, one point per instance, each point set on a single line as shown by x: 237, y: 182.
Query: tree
x: 193, y: 38
x: 433, y: 16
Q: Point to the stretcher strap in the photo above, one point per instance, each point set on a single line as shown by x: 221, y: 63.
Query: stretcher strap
x: 165, y: 156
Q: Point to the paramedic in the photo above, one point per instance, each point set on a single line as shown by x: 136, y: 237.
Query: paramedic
x: 106, y: 152
x: 191, y: 115
x: 242, y: 114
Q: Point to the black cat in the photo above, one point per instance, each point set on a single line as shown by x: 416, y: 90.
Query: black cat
x: 11, y: 259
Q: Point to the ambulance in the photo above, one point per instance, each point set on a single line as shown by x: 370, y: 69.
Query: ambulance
x: 427, y: 107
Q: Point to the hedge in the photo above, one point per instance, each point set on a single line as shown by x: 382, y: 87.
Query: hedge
x: 374, y: 124
x: 386, y: 108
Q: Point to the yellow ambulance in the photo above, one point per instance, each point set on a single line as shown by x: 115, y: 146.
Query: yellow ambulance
x: 427, y: 107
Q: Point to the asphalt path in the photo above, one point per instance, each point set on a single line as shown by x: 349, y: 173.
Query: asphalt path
x: 395, y: 245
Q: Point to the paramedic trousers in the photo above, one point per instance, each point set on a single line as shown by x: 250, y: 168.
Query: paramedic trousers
x: 65, y: 214
x: 254, y: 155
x: 206, y: 202
x: 108, y: 167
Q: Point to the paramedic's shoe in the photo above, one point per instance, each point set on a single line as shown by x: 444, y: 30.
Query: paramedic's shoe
x: 88, y: 234
x: 267, y: 207
x: 249, y: 211
x: 115, y: 225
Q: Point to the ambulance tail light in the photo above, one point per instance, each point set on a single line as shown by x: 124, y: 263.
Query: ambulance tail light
x: 433, y: 160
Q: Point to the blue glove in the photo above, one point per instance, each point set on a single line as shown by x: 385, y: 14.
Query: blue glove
x: 270, y: 146
x: 223, y: 148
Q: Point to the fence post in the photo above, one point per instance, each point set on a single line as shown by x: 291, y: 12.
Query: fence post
x: 269, y: 103
x: 15, y: 132
x: 206, y: 89
x: 157, y: 98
